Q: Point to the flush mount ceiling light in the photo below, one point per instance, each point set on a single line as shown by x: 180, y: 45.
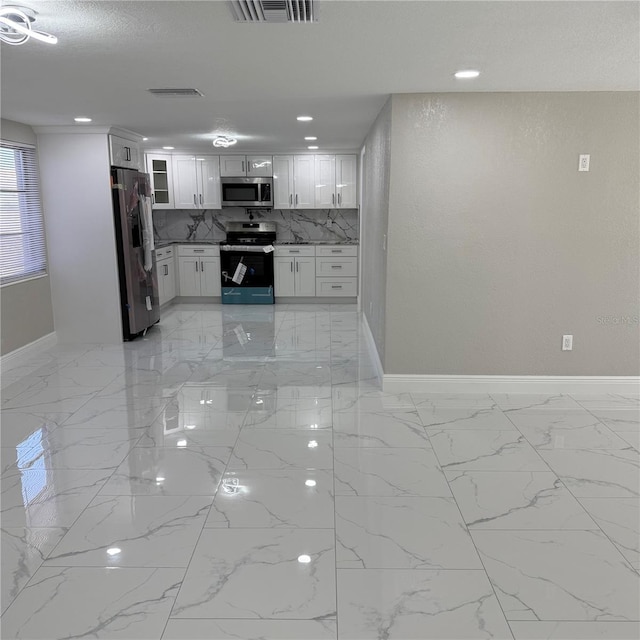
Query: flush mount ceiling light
x: 311, y: 138
x: 15, y: 26
x: 82, y: 119
x: 224, y: 141
x: 466, y: 74
x: 169, y: 149
x: 304, y: 118
x: 312, y: 147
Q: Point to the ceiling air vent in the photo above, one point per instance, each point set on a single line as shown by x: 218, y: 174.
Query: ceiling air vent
x: 175, y: 93
x: 274, y: 10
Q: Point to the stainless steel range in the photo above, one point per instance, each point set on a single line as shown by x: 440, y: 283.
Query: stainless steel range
x: 246, y: 263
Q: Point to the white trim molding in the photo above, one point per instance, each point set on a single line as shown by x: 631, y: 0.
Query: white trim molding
x: 20, y: 355
x: 373, y: 350
x: 398, y: 383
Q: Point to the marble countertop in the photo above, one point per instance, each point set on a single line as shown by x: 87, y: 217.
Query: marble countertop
x: 167, y: 243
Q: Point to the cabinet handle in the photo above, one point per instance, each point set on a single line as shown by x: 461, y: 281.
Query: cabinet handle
x: 333, y: 198
x: 336, y: 250
x: 336, y: 266
x: 294, y: 250
x: 296, y: 266
x: 196, y: 265
x: 198, y: 251
x: 195, y: 201
x: 339, y: 199
x: 336, y: 286
x: 243, y: 166
x: 290, y: 199
x: 296, y: 199
x: 291, y: 264
x: 248, y: 167
x: 166, y: 270
x: 202, y: 267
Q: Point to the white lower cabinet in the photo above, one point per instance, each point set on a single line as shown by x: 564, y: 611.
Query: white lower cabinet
x: 199, y: 269
x: 294, y: 271
x: 166, y: 271
x: 336, y: 271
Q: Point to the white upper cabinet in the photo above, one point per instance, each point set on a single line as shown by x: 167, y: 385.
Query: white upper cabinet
x: 325, y: 182
x: 346, y: 180
x: 159, y: 170
x: 252, y: 166
x: 196, y: 182
x: 208, y: 168
x: 124, y: 153
x: 282, y: 182
x: 303, y: 182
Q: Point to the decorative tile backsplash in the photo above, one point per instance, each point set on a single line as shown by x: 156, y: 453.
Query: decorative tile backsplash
x: 183, y: 225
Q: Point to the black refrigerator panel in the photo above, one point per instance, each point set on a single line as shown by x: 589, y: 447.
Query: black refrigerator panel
x: 138, y: 287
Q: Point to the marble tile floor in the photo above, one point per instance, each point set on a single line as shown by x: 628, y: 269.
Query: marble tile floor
x: 238, y: 473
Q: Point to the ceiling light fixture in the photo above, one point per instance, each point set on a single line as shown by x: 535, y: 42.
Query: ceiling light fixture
x: 144, y: 139
x: 311, y: 138
x: 304, y: 118
x: 82, y: 119
x: 15, y: 26
x: 224, y: 141
x: 168, y: 149
x: 466, y: 74
x: 312, y: 147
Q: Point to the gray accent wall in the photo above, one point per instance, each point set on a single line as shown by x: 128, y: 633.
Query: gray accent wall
x: 498, y: 245
x: 376, y: 165
x: 26, y: 313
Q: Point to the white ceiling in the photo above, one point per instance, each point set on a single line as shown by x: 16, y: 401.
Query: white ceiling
x: 257, y: 77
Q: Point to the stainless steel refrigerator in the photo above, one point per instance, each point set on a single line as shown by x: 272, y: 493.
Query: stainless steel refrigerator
x: 137, y: 271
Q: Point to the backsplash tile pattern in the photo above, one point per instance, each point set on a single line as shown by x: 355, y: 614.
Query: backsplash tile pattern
x: 184, y: 225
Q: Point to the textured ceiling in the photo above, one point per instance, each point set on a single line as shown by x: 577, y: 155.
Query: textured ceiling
x: 257, y: 77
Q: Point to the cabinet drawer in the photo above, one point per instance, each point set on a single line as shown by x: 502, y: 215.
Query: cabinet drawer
x: 333, y: 267
x: 294, y: 251
x: 337, y: 250
x: 336, y: 286
x: 165, y: 252
x: 198, y: 250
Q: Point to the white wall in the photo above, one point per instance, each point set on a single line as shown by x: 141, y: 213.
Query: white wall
x: 498, y: 245
x: 76, y: 191
x: 26, y: 313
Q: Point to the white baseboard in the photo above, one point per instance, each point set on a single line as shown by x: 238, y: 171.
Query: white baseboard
x: 373, y: 350
x: 394, y: 383
x: 23, y: 354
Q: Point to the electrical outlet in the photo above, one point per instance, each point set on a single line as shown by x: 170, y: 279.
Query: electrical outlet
x: 567, y: 343
x: 583, y: 162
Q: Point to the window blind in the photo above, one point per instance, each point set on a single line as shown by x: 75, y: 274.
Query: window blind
x: 22, y: 246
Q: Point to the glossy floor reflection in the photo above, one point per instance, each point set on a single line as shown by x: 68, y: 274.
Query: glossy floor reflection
x: 238, y: 473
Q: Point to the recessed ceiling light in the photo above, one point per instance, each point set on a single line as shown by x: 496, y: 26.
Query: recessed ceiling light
x: 304, y: 118
x: 312, y: 147
x: 114, y: 551
x: 82, y: 119
x: 181, y: 443
x: 467, y: 73
x: 144, y: 139
x: 304, y: 559
x: 310, y: 483
x: 311, y: 138
x: 168, y: 148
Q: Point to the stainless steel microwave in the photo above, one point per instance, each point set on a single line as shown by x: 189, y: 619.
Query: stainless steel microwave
x: 247, y: 192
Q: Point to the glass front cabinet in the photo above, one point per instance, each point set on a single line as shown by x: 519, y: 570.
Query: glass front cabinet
x: 159, y: 169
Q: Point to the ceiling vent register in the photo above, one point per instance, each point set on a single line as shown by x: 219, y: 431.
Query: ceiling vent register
x: 175, y: 93
x: 274, y: 10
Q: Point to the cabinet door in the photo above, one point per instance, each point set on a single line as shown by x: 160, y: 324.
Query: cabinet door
x: 346, y: 180
x: 170, y: 280
x: 185, y: 184
x: 260, y: 166
x: 135, y: 156
x: 305, y: 276
x: 303, y: 181
x: 120, y: 150
x: 209, y: 196
x: 233, y: 166
x: 189, y: 276
x: 159, y: 170
x: 210, y: 277
x: 162, y: 296
x: 325, y: 182
x: 282, y: 182
x: 284, y: 276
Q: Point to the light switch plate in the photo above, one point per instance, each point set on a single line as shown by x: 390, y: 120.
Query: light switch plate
x: 583, y: 162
